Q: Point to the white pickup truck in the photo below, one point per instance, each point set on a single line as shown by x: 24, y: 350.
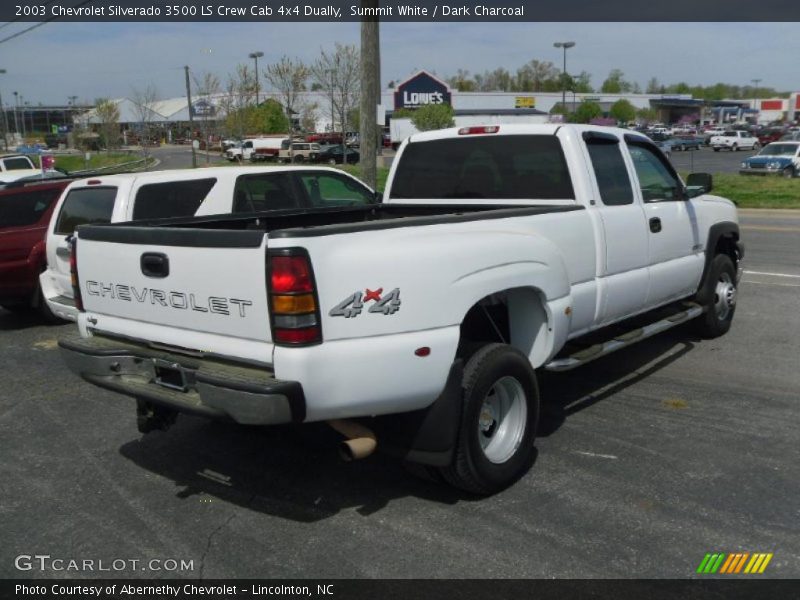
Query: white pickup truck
x: 17, y: 166
x: 734, y: 141
x: 175, y: 193
x: 496, y: 249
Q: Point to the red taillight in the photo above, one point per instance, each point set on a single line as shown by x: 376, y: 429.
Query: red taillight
x: 73, y: 273
x: 308, y: 335
x: 291, y: 275
x: 293, y: 298
x: 478, y: 130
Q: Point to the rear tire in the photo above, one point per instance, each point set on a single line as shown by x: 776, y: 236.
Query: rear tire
x: 719, y: 290
x: 788, y: 172
x: 498, y: 424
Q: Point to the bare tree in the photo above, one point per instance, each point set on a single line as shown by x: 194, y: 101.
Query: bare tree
x: 338, y: 74
x: 143, y: 101
x: 289, y: 78
x: 207, y: 86
x: 238, y: 97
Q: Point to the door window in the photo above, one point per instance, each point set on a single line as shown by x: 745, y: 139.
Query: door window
x: 611, y: 173
x: 326, y: 189
x: 257, y: 193
x: 25, y: 207
x: 657, y: 179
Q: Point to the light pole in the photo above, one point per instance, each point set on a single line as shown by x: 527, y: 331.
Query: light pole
x: 255, y: 56
x: 5, y: 118
x: 16, y: 106
x: 565, y: 46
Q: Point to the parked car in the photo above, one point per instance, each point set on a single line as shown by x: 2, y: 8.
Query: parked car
x: 428, y: 317
x: 25, y: 212
x: 181, y: 192
x: 735, y: 140
x: 680, y: 143
x: 777, y: 158
x: 299, y: 152
x: 767, y: 136
x: 333, y: 155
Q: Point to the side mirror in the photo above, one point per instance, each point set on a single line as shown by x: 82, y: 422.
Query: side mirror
x: 699, y: 183
x: 378, y: 197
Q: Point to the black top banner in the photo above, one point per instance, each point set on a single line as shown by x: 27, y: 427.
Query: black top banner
x: 396, y: 11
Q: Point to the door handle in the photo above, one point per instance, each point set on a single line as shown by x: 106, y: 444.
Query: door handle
x: 155, y: 264
x: 655, y: 224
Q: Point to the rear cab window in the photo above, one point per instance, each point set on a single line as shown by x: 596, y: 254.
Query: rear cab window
x: 86, y: 206
x: 512, y: 167
x: 171, y: 199
x: 18, y: 163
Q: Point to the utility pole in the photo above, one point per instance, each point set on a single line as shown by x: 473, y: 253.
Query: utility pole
x: 370, y: 88
x: 191, y: 120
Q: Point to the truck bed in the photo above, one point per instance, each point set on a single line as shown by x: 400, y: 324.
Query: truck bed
x: 304, y: 222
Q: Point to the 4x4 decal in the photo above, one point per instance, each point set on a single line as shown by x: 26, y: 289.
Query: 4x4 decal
x: 352, y: 305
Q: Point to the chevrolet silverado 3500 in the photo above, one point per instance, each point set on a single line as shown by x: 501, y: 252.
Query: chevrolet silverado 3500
x: 419, y: 321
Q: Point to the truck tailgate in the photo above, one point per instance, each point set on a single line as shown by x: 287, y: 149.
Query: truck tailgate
x: 200, y: 281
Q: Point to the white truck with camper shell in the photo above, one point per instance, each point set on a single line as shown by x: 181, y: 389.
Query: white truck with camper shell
x: 418, y: 322
x: 175, y: 193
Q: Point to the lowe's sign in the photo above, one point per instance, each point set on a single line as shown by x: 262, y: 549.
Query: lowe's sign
x: 423, y: 88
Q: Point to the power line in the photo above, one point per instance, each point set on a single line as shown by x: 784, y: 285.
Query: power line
x: 45, y: 22
x: 12, y: 21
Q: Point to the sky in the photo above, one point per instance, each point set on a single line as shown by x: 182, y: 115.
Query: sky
x: 91, y: 60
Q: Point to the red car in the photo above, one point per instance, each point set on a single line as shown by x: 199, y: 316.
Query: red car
x: 25, y: 213
x: 769, y: 135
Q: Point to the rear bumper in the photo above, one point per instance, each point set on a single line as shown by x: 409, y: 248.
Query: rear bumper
x: 201, y: 386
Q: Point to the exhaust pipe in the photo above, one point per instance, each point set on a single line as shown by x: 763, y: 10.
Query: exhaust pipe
x: 360, y: 442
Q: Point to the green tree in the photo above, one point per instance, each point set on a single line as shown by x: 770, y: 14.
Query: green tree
x: 646, y: 115
x: 433, y: 116
x: 615, y: 83
x: 586, y: 111
x: 271, y: 117
x: 623, y: 111
x: 107, y: 114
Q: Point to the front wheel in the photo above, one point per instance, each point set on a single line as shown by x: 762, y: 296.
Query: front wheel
x: 756, y: 146
x: 498, y: 423
x: 718, y: 297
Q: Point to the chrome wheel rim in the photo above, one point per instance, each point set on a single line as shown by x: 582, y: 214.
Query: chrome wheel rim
x: 724, y: 296
x: 502, y: 420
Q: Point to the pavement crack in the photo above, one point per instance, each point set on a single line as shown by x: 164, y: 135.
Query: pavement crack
x: 208, y: 543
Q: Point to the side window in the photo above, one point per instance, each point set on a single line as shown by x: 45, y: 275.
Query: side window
x: 326, y: 189
x: 611, y: 173
x: 657, y: 180
x: 26, y: 207
x: 86, y: 206
x: 257, y: 193
x: 171, y: 199
x: 18, y: 164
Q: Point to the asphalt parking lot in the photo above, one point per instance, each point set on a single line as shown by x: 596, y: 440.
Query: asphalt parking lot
x: 705, y: 160
x: 647, y: 460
